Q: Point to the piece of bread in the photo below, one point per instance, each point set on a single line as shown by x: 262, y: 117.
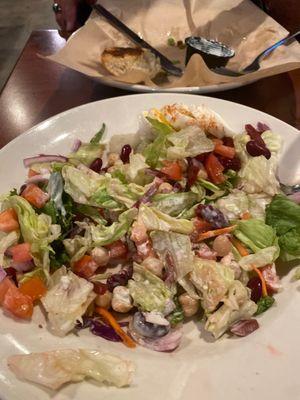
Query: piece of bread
x: 121, y: 60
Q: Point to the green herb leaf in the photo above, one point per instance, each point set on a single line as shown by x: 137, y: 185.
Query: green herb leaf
x: 264, y: 304
x: 96, y: 139
x: 177, y: 315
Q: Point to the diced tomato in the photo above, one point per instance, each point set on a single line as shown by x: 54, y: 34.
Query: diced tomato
x: 117, y: 249
x: 85, y: 267
x: 8, y: 221
x: 35, y: 196
x: 214, y: 169
x: 4, y: 286
x: 21, y: 252
x: 32, y: 173
x: 17, y: 303
x: 172, y: 169
x: 34, y: 288
x: 225, y: 151
x: 14, y: 301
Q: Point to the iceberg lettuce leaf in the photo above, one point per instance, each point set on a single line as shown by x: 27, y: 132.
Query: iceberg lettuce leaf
x: 155, y: 220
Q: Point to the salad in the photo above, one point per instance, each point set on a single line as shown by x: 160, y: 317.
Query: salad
x: 130, y: 245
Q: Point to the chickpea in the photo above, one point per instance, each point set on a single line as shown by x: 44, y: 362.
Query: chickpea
x: 100, y: 255
x: 153, y: 265
x: 121, y: 299
x: 104, y: 300
x: 222, y: 245
x: 112, y: 158
x: 189, y: 305
x: 165, y: 187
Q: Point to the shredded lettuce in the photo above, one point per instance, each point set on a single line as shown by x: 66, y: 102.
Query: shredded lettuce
x: 284, y: 215
x: 134, y: 171
x: 174, y: 203
x: 87, y: 187
x: 149, y: 292
x: 255, y: 234
x: 155, y: 220
x: 88, y: 152
x: 188, y: 142
x: 157, y: 148
x: 66, y: 301
x: 55, y: 368
x: 178, y: 246
x: 103, y: 235
x: 238, y: 202
x: 212, y: 280
x: 37, y: 230
x: 79, y: 245
x: 91, y: 212
x: 237, y: 306
x: 261, y: 258
x: 126, y: 194
x: 257, y: 174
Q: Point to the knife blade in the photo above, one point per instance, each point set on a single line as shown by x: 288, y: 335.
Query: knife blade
x: 166, y: 64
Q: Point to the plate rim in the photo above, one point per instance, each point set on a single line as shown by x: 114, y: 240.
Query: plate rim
x: 111, y: 99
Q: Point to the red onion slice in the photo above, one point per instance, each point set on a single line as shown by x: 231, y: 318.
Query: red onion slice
x: 22, y: 266
x: 262, y: 127
x: 38, y: 178
x: 77, y: 143
x: 43, y: 158
x: 168, y: 342
x: 2, y: 274
x: 149, y: 193
x: 244, y: 327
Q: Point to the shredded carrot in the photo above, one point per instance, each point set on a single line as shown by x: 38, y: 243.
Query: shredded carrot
x: 246, y: 215
x: 110, y: 319
x: 240, y: 247
x: 215, y: 232
x: 244, y: 252
x: 263, y: 282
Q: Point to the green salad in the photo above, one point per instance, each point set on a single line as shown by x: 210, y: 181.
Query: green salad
x: 187, y: 223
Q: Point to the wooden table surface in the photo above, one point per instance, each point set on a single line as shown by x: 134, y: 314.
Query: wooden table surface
x: 38, y: 89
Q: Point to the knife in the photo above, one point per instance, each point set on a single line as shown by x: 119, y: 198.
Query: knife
x: 166, y: 64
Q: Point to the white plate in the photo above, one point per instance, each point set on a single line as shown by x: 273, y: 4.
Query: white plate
x: 134, y: 87
x: 263, y: 365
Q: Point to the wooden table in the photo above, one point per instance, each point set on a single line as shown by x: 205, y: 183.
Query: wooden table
x: 38, y: 89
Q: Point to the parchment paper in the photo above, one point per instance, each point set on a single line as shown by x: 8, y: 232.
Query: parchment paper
x: 237, y: 23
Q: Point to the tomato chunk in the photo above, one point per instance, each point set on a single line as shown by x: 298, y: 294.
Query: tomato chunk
x: 214, y: 169
x: 8, y: 221
x: 17, y: 303
x: 35, y: 196
x: 34, y: 288
x: 12, y: 300
x: 85, y: 267
x: 172, y: 169
x: 21, y: 252
x: 4, y: 286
